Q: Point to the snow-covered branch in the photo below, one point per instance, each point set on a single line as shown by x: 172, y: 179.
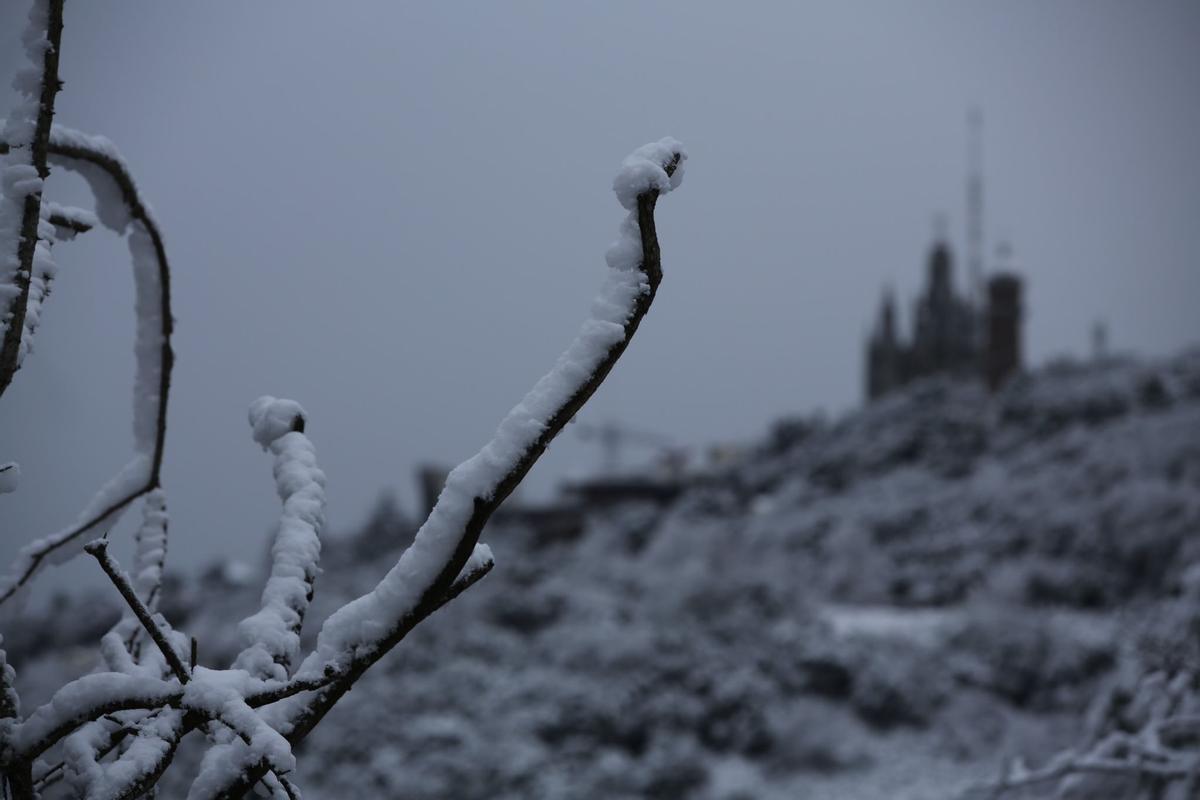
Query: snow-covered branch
x: 25, y: 261
x: 271, y: 637
x: 119, y: 207
x: 67, y: 220
x: 84, y: 700
x: 364, y: 630
x: 136, y: 770
x: 114, y: 733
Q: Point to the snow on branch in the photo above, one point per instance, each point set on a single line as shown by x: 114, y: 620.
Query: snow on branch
x: 137, y: 769
x: 361, y: 632
x: 271, y: 637
x: 479, y: 485
x: 25, y: 261
x: 116, y: 732
x: 119, y: 206
x: 83, y: 700
x: 68, y: 221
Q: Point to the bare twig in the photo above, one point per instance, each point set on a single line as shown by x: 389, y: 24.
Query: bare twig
x: 10, y: 346
x: 99, y: 550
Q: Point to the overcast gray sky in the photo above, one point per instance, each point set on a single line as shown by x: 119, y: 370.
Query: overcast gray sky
x: 397, y: 214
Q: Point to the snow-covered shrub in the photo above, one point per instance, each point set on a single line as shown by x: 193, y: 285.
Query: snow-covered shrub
x: 113, y: 733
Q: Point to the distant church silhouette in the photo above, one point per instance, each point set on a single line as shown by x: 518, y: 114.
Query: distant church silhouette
x: 950, y: 334
x: 975, y: 336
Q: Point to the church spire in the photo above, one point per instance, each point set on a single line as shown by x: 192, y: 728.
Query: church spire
x: 975, y: 206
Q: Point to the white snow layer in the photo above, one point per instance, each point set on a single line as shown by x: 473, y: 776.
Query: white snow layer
x: 368, y: 618
x: 271, y: 418
x: 149, y: 340
x: 83, y: 694
x: 271, y: 637
x: 219, y: 695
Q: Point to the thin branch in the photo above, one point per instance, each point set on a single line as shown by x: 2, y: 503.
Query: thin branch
x: 99, y: 549
x: 333, y: 673
x: 10, y: 346
x: 70, y: 223
x: 649, y: 267
x: 74, y: 149
x: 150, y: 555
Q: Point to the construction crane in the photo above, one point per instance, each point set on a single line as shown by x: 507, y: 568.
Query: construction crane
x: 613, y: 438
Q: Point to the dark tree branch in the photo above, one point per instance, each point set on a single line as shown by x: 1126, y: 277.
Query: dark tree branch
x: 70, y: 223
x: 10, y: 346
x: 99, y: 549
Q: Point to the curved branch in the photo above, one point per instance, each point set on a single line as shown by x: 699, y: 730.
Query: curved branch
x: 428, y: 569
x: 97, y: 159
x: 22, y: 279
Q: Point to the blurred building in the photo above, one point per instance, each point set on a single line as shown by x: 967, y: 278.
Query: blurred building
x: 951, y: 335
x: 967, y: 336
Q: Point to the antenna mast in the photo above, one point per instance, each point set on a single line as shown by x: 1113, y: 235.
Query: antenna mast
x: 975, y: 204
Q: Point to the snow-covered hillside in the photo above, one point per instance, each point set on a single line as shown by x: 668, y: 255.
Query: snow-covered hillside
x: 885, y: 606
